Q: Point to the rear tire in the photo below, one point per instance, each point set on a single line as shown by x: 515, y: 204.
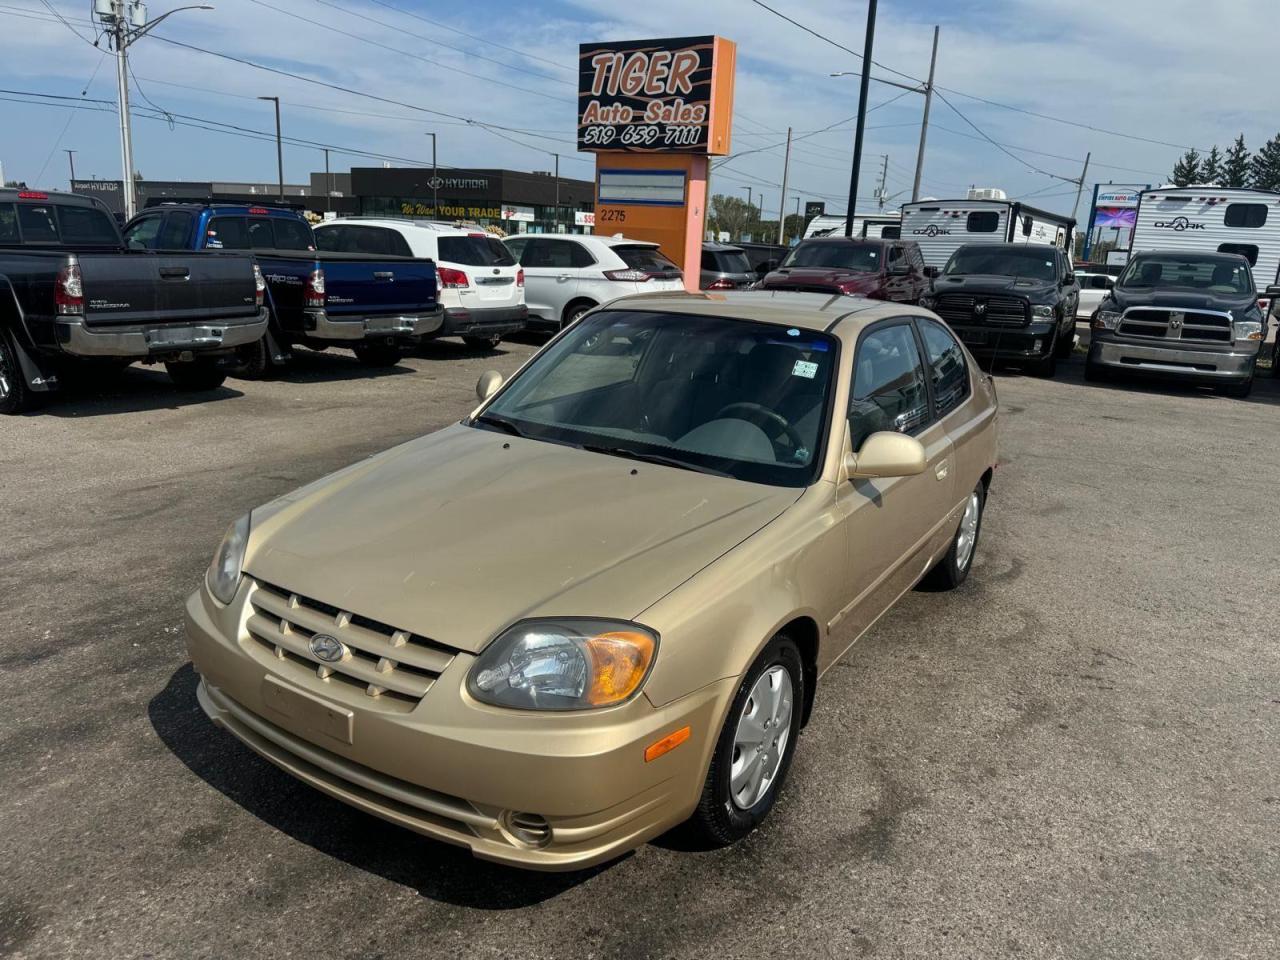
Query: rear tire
x: 574, y: 311
x: 15, y: 395
x: 953, y: 569
x: 196, y: 375
x: 253, y: 360
x: 378, y: 354
x: 482, y: 343
x: 770, y: 699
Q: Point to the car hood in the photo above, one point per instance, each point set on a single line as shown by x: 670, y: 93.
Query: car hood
x: 846, y: 279
x: 995, y: 284
x: 1180, y: 299
x: 461, y: 533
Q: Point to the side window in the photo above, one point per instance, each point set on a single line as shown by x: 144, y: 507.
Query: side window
x: 709, y: 262
x: 578, y: 255
x: 982, y: 221
x: 1246, y: 214
x: 537, y: 254
x: 889, y: 391
x: 292, y: 235
x: 553, y: 253
x: 142, y: 233
x: 175, y: 231
x: 8, y: 223
x: 891, y: 233
x: 37, y: 224
x: 895, y: 254
x: 333, y: 239
x: 1026, y: 226
x: 227, y: 233
x: 260, y: 235
x: 397, y: 245
x: 517, y: 245
x: 947, y: 367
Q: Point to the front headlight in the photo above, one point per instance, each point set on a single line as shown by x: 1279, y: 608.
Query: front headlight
x: 1041, y: 311
x: 223, y: 578
x: 1248, y: 330
x: 1106, y: 320
x: 563, y: 664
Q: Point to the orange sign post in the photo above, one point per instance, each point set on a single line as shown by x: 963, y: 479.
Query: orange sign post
x: 654, y: 112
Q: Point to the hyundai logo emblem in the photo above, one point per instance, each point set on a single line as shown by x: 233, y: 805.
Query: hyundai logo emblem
x: 327, y: 648
x: 435, y: 183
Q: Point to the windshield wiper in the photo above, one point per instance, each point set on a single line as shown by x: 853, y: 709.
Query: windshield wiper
x: 502, y: 423
x: 657, y: 458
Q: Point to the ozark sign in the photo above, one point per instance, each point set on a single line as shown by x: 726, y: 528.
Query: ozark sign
x: 655, y: 96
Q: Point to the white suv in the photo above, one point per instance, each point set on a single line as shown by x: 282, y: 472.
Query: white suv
x: 568, y: 275
x: 481, y: 286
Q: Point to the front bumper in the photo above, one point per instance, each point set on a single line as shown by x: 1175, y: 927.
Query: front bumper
x: 322, y: 326
x: 484, y: 321
x: 157, y: 339
x: 1032, y: 342
x: 1200, y: 361
x: 456, y: 770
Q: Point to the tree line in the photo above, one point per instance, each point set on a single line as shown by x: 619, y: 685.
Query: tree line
x: 1234, y: 167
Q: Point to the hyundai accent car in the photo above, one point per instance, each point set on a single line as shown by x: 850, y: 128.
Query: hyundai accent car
x: 600, y: 605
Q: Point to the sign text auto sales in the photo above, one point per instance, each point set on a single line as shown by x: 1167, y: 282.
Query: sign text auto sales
x: 647, y: 96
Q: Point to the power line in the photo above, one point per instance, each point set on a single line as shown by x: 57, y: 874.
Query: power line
x: 998, y: 146
x: 841, y: 46
x: 1055, y: 156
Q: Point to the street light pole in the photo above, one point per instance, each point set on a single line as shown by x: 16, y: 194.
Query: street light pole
x: 435, y: 177
x: 557, y: 156
x: 279, y: 147
x: 862, y: 115
x: 71, y: 158
x: 924, y: 123
x: 782, y: 200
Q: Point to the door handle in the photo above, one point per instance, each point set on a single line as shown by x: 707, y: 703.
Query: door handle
x: 383, y: 275
x: 942, y: 470
x: 564, y: 276
x: 175, y: 273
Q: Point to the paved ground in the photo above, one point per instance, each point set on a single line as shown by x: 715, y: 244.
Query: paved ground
x: 1076, y: 755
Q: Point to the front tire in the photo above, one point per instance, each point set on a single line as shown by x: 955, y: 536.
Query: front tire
x: 756, y: 745
x: 573, y: 312
x: 15, y: 395
x: 1065, y: 344
x: 196, y: 375
x: 377, y: 354
x: 953, y: 569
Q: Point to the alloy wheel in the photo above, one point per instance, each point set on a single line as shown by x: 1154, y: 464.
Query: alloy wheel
x: 761, y: 738
x: 968, y: 534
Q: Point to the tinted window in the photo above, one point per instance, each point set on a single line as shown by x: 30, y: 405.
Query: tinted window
x: 648, y: 259
x: 732, y: 261
x: 838, y: 254
x: 1188, y: 272
x: 1026, y: 226
x: 333, y: 239
x: 261, y: 236
x: 176, y: 231
x: 37, y: 223
x: 889, y: 390
x: 709, y: 261
x: 1247, y: 250
x: 142, y: 233
x: 891, y: 233
x: 516, y: 245
x: 8, y: 223
x: 476, y: 252
x: 291, y: 235
x: 983, y: 221
x: 946, y: 366
x: 86, y: 225
x: 1246, y: 214
x: 1034, y: 262
x: 548, y: 253
x: 370, y: 240
x: 227, y: 233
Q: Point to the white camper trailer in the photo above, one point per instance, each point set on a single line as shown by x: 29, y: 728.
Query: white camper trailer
x: 1213, y: 220
x: 870, y: 225
x: 943, y: 226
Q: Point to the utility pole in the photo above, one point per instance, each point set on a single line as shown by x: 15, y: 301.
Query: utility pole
x: 1080, y: 184
x: 924, y: 123
x: 71, y: 159
x: 782, y: 199
x: 884, y: 176
x: 126, y: 22
x: 279, y: 148
x: 867, y: 48
x: 328, y: 183
x: 557, y: 156
x: 435, y: 179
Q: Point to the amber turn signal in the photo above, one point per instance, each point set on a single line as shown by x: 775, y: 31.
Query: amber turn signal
x: 666, y: 744
x: 619, y: 661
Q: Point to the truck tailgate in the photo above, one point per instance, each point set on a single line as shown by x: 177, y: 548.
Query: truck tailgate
x: 365, y: 286
x: 143, y: 287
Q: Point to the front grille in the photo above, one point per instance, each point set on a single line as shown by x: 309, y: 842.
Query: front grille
x: 394, y: 668
x: 1163, y: 323
x: 967, y: 308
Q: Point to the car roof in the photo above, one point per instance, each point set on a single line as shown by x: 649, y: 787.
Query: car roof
x: 842, y: 239
x: 590, y: 237
x: 712, y: 246
x: 10, y: 194
x: 805, y: 310
x: 1208, y: 255
x: 397, y: 223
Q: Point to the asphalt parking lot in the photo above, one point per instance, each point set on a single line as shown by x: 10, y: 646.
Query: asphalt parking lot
x: 1075, y: 755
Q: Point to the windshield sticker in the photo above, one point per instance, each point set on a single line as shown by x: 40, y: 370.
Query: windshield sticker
x: 793, y: 332
x: 805, y: 368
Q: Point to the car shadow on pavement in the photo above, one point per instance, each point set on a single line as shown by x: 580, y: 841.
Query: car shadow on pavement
x: 452, y: 349
x: 436, y: 870
x: 131, y: 390
x: 1266, y: 389
x: 315, y: 366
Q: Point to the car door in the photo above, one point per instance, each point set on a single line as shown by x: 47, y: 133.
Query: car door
x: 550, y: 278
x: 893, y: 525
x: 897, y: 274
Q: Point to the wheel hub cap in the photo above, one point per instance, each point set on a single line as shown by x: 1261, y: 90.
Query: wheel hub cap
x: 968, y: 534
x: 761, y: 738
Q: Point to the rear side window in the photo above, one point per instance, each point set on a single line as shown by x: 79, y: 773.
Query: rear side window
x: 516, y: 246
x: 333, y: 239
x: 648, y: 259
x: 8, y: 223
x: 947, y: 368
x: 37, y: 223
x: 292, y: 235
x: 86, y: 225
x: 477, y: 251
x: 983, y: 221
x: 1247, y: 250
x: 709, y: 261
x: 175, y: 231
x: 552, y: 253
x: 227, y: 233
x: 1246, y: 214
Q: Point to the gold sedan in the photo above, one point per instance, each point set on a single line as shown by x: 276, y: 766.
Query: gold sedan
x: 600, y: 606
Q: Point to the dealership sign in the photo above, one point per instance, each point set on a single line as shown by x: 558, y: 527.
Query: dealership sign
x: 1117, y: 198
x: 655, y: 96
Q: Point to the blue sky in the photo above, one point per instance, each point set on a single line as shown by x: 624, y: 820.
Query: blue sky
x: 1146, y: 68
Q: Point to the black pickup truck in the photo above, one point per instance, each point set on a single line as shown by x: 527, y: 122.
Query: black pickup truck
x: 72, y: 294
x: 1010, y: 301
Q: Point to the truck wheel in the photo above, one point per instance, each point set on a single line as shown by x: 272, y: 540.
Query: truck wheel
x: 755, y: 748
x: 196, y: 375
x: 1063, y: 347
x: 482, y: 343
x: 378, y: 354
x: 15, y: 395
x: 253, y: 360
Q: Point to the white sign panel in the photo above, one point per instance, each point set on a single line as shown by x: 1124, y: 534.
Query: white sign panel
x: 584, y: 218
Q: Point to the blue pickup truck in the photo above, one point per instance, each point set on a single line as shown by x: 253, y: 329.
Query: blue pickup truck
x: 374, y: 305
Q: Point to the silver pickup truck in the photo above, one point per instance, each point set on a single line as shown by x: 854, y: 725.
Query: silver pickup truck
x: 1189, y: 316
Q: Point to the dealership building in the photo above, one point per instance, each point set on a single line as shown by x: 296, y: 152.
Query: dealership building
x: 515, y: 201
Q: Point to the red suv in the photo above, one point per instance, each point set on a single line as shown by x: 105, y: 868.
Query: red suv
x: 878, y: 269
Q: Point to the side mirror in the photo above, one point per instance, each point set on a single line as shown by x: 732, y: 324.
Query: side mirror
x: 488, y: 384
x: 900, y: 268
x: 1273, y: 291
x: 1069, y: 279
x: 886, y: 454
x: 930, y: 272
x: 1110, y: 282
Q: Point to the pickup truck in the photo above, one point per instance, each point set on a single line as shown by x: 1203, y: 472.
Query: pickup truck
x: 375, y: 305
x: 1187, y: 316
x: 1010, y: 301
x: 876, y: 269
x: 73, y: 295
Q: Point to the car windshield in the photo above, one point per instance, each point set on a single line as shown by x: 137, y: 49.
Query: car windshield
x: 710, y: 394
x: 1187, y: 272
x: 839, y: 255
x: 1035, y: 263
